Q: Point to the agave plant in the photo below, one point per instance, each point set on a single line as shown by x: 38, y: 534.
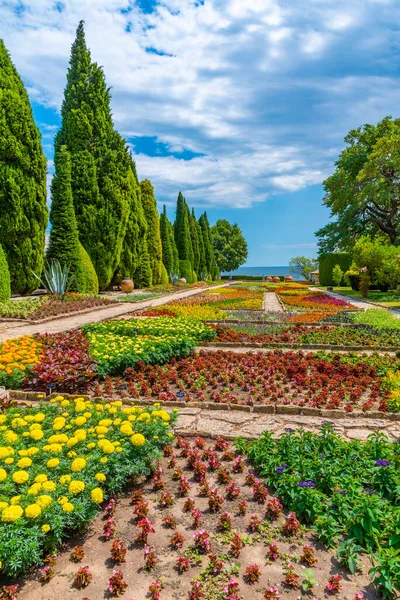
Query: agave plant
x: 174, y: 277
x: 56, y: 279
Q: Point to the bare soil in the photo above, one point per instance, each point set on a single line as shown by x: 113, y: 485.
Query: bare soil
x: 176, y: 586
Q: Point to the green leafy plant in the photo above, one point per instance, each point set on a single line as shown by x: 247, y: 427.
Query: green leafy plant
x: 385, y: 572
x: 348, y: 555
x: 309, y: 581
x: 56, y: 278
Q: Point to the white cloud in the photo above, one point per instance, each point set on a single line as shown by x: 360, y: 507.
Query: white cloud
x: 264, y: 90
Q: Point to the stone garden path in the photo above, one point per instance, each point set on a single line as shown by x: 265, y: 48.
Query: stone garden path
x: 233, y: 423
x: 95, y: 316
x: 271, y: 303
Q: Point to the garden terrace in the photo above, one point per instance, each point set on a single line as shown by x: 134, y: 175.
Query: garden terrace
x: 203, y: 524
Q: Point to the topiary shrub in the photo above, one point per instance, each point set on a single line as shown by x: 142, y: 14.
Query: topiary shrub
x: 194, y: 277
x: 327, y: 264
x: 90, y: 280
x: 185, y: 270
x: 164, y: 275
x: 5, y: 285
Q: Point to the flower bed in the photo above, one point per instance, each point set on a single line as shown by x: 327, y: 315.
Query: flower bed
x: 347, y: 490
x: 315, y: 301
x: 322, y: 380
x: 58, y: 462
x: 44, y: 307
x: 204, y: 527
x: 362, y: 336
x: 16, y: 358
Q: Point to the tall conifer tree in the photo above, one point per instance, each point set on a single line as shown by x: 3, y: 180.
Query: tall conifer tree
x: 208, y: 246
x: 64, y: 236
x: 167, y: 252
x: 153, y: 230
x: 23, y: 210
x: 101, y: 175
x: 195, y: 242
x: 182, y: 230
x: 175, y: 255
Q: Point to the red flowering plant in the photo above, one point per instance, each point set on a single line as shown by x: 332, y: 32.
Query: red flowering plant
x: 117, y: 584
x: 236, y: 545
x: 260, y: 492
x: 254, y: 523
x: 197, y: 591
x: 231, y: 590
x: 232, y: 491
x: 202, y: 540
x: 77, y: 554
x: 169, y: 521
x: 215, y: 501
x: 238, y: 465
x: 224, y: 476
x: 252, y: 573
x: 225, y: 522
x: 196, y: 515
x: 111, y: 507
x: 141, y: 510
x: 146, y: 527
x: 183, y: 564
x: 242, y: 507
x: 83, y: 577
x: 176, y: 540
x: 307, y: 555
x: 109, y: 528
x: 9, y: 592
x: 118, y: 551
x: 184, y: 486
x: 291, y: 526
x: 155, y: 588
x: 273, y: 551
x: 273, y: 509
x: 291, y: 577
x: 150, y: 559
x: 334, y: 586
x: 188, y: 505
x: 166, y: 499
x: 272, y: 593
x: 48, y: 570
x: 221, y: 444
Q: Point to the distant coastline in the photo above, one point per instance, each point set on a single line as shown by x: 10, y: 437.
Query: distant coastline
x: 259, y: 271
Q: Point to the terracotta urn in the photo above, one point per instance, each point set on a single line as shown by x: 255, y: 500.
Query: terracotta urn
x: 276, y: 280
x: 288, y: 278
x: 127, y: 285
x: 269, y: 278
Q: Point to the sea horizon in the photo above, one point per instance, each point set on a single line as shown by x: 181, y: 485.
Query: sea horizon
x: 260, y: 271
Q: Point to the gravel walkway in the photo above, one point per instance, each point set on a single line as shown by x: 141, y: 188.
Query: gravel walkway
x: 110, y: 312
x: 271, y: 303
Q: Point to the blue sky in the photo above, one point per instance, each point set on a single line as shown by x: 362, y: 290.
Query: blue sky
x: 241, y: 105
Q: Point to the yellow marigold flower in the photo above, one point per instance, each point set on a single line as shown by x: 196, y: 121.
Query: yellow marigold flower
x: 79, y: 421
x: 91, y: 446
x: 131, y: 418
x: 76, y: 487
x: 87, y: 415
x: 78, y: 465
x: 9, y: 461
x: 10, y: 437
x: 138, y: 439
x: 117, y: 421
x: 53, y: 448
x: 11, y: 514
x: 3, y: 419
x: 68, y: 507
x: 15, y: 500
x: 80, y: 435
x: 34, y: 489
x: 65, y: 479
x: 3, y: 505
x: 118, y: 449
x: 58, y: 438
x: 64, y: 403
x: 100, y: 477
x: 62, y: 500
x: 3, y: 474
x: 112, y: 411
x: 52, y: 463
x: 20, y: 477
x: 100, y: 430
x: 45, y: 528
x: 33, y: 511
x: 3, y: 452
x: 32, y: 451
x: 49, y: 486
x: 126, y: 429
x: 44, y: 500
x: 59, y: 423
x: 40, y: 478
x: 71, y: 454
x: 97, y: 495
x: 40, y: 417
x: 36, y: 434
x: 103, y: 460
x: 24, y: 463
x: 108, y: 448
x: 80, y: 407
x: 164, y: 415
x: 72, y: 442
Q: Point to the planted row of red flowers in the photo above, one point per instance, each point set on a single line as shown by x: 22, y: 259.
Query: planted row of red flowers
x: 275, y: 377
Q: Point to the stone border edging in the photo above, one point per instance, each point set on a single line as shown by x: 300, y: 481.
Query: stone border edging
x: 296, y: 346
x: 278, y: 409
x: 284, y: 323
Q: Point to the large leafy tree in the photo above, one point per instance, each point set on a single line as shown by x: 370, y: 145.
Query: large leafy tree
x: 64, y: 237
x: 154, y: 244
x: 101, y: 173
x: 303, y: 265
x: 23, y: 211
x: 230, y: 247
x: 363, y: 193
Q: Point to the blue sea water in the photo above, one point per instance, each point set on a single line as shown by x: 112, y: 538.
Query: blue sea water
x: 259, y: 271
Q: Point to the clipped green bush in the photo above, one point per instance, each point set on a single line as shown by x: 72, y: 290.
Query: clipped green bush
x: 194, y: 277
x: 185, y: 270
x: 327, y: 264
x: 164, y: 275
x: 5, y: 285
x: 90, y: 280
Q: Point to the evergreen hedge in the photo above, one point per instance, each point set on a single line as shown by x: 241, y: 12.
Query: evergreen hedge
x: 91, y: 282
x: 328, y: 261
x: 23, y: 209
x: 5, y: 285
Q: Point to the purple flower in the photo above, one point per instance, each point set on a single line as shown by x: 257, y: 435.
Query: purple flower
x: 307, y: 484
x: 343, y: 493
x: 281, y: 468
x: 289, y: 429
x: 382, y: 463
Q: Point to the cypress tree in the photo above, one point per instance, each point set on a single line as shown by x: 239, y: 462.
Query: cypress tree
x: 167, y: 252
x: 175, y: 255
x: 101, y: 176
x: 208, y: 246
x: 202, y: 272
x: 23, y: 210
x: 153, y: 230
x: 5, y: 285
x: 195, y: 242
x: 64, y: 237
x: 134, y: 248
x: 182, y: 230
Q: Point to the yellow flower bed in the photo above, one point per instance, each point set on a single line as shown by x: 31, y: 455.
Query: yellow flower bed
x: 19, y: 354
x: 58, y: 462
